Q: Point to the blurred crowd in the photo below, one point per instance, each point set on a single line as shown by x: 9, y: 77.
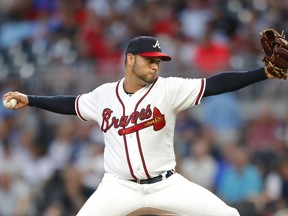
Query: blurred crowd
x: 235, y: 144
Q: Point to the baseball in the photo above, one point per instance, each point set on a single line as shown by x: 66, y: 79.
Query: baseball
x: 10, y: 104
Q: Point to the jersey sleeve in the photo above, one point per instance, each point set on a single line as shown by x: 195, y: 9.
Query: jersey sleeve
x: 86, y: 106
x: 185, y: 93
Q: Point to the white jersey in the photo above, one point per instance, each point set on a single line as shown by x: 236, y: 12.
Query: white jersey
x: 139, y: 129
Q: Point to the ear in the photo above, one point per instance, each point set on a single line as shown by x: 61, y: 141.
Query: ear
x: 130, y: 59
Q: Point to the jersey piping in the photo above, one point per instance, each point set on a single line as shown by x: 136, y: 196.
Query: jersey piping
x: 78, y: 110
x: 137, y: 133
x: 124, y: 136
x: 201, y: 92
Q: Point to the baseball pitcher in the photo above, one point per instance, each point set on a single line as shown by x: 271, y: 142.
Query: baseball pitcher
x: 137, y: 117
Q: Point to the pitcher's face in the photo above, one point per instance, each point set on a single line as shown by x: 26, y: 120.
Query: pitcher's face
x: 146, y: 69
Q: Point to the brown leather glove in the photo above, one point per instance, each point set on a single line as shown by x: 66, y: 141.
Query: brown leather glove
x: 275, y: 48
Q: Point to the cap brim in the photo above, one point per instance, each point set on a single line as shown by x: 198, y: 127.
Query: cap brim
x: 161, y: 55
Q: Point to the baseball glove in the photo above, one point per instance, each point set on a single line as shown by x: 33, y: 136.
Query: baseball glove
x: 275, y: 48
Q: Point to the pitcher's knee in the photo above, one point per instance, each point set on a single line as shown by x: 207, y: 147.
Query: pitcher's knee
x: 224, y: 211
x: 229, y: 211
x: 233, y: 212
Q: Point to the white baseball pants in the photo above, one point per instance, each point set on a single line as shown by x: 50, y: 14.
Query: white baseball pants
x: 173, y: 196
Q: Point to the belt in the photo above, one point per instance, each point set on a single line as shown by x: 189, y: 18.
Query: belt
x: 154, y: 179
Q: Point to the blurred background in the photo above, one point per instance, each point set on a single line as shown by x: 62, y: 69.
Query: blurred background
x: 234, y: 144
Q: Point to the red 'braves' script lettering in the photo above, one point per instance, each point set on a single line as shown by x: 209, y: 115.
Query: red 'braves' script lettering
x: 109, y: 121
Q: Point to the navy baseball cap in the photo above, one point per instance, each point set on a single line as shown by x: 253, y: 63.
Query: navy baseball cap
x: 146, y: 46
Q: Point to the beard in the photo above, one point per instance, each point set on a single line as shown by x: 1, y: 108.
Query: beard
x: 145, y: 77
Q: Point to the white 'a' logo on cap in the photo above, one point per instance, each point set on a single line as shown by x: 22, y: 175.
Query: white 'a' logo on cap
x: 157, y: 45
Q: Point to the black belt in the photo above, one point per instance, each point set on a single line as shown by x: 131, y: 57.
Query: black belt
x: 154, y: 179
